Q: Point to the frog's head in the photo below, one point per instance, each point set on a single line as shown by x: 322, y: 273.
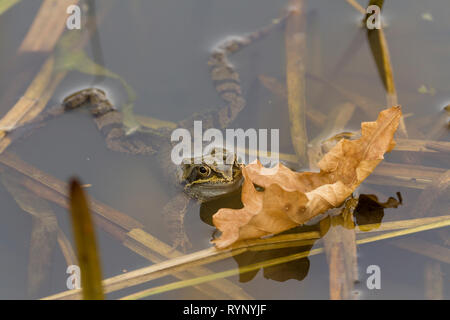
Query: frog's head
x: 212, y: 175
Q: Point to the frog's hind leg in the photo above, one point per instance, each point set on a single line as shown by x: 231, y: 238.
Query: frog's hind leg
x: 225, y: 77
x: 92, y: 96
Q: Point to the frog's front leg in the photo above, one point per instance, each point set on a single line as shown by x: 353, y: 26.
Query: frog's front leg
x: 96, y: 97
x: 108, y: 120
x: 173, y: 213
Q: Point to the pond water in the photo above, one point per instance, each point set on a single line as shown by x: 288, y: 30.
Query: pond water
x: 161, y: 48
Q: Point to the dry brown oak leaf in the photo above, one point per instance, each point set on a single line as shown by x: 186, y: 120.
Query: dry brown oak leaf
x: 292, y: 198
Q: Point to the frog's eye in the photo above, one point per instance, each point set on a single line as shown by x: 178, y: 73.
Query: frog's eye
x: 204, y: 171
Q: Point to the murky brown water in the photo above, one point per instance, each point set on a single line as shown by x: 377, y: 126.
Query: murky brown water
x: 161, y: 48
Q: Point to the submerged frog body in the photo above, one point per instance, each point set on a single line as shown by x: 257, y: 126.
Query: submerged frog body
x: 205, y: 181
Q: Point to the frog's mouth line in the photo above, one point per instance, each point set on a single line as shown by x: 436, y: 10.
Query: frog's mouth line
x: 214, y: 185
x: 210, y: 191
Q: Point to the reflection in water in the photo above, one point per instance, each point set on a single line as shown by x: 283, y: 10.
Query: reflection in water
x: 232, y: 200
x: 370, y: 211
x: 339, y: 237
x: 337, y: 230
x: 297, y: 269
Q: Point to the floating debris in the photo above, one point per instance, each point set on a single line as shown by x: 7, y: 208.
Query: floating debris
x: 427, y: 16
x: 425, y: 90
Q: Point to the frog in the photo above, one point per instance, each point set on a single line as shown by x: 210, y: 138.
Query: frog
x: 200, y: 181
